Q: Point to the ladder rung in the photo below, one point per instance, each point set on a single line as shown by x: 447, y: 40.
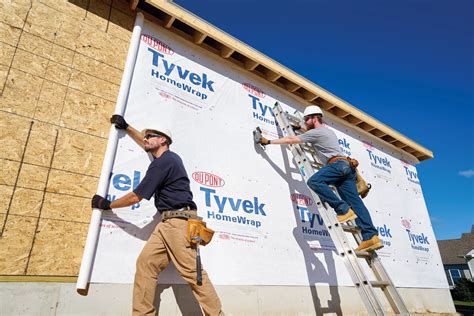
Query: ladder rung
x: 364, y: 254
x: 350, y: 228
x: 379, y: 283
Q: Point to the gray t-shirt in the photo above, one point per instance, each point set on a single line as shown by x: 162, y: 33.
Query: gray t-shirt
x: 325, y: 143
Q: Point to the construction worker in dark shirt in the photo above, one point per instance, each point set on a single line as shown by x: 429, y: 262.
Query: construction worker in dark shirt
x: 166, y: 179
x: 338, y: 172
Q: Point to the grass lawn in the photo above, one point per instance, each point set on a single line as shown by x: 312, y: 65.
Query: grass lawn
x: 464, y: 303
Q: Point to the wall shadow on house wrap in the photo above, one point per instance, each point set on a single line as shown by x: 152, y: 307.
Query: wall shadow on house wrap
x: 314, y: 267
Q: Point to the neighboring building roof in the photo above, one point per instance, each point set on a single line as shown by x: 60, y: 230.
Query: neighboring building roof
x: 452, y: 249
x: 205, y: 35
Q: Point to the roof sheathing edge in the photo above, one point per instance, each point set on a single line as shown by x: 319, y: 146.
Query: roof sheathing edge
x: 229, y: 41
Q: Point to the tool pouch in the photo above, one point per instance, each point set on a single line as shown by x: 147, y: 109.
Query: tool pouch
x: 197, y: 228
x: 363, y: 187
x: 353, y: 162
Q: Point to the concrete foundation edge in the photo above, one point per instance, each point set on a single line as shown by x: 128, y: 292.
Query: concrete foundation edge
x: 35, y: 298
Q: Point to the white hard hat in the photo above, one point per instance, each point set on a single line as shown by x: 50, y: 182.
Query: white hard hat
x: 312, y: 109
x: 162, y: 131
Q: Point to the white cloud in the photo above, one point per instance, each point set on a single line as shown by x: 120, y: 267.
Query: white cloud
x: 467, y: 173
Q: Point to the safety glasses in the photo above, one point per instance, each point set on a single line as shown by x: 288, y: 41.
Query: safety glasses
x: 148, y: 136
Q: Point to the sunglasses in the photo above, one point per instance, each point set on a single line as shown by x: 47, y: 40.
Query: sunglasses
x: 308, y: 117
x: 148, y: 136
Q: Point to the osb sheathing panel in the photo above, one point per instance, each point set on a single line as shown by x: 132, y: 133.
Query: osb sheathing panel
x: 8, y: 171
x: 71, y: 183
x: 35, y: 45
x: 60, y: 67
x: 97, y: 69
x: 58, y: 248
x: 13, y: 134
x: 50, y: 103
x: 41, y: 144
x: 21, y: 93
x: 66, y: 208
x: 5, y: 197
x: 77, y: 152
x: 29, y: 63
x: 87, y: 113
x: 58, y: 73
x: 14, y: 12
x: 33, y: 177
x: 93, y: 85
x: 6, y: 54
x: 26, y: 202
x: 8, y: 33
x: 16, y: 243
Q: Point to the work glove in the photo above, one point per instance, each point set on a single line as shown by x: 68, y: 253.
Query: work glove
x: 264, y: 141
x: 258, y: 138
x: 119, y: 121
x: 295, y: 126
x: 100, y: 202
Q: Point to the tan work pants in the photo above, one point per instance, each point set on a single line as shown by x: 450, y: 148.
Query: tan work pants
x: 168, y: 241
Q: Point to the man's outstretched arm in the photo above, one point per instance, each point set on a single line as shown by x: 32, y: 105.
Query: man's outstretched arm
x: 120, y: 123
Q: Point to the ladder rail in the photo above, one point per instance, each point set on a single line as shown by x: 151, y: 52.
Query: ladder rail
x: 350, y: 258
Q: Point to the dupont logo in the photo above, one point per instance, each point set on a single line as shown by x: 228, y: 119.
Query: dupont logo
x: 406, y: 224
x: 208, y: 179
x: 256, y: 91
x: 368, y: 146
x: 165, y: 95
x: 224, y: 236
x: 301, y: 199
x: 157, y: 44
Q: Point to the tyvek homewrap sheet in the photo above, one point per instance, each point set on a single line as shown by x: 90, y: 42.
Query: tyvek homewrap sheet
x: 268, y: 229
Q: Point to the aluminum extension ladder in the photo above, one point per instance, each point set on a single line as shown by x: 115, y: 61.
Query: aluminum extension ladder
x: 308, y: 163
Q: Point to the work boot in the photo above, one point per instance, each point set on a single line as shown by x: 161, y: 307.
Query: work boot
x: 350, y: 215
x: 372, y: 244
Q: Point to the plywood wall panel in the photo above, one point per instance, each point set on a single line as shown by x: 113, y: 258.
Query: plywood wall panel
x: 97, y: 69
x: 62, y: 55
x: 58, y: 248
x: 6, y: 54
x: 26, y: 202
x: 66, y: 208
x: 87, y: 113
x: 93, y: 85
x: 43, y: 21
x: 79, y: 153
x: 64, y: 77
x: 121, y: 24
x: 41, y: 144
x: 50, y: 103
x: 15, y: 244
x: 14, y: 12
x: 8, y: 171
x: 29, y: 63
x: 6, y: 193
x: 21, y: 93
x: 33, y: 177
x: 73, y: 184
x: 58, y: 73
x: 35, y: 45
x: 13, y: 134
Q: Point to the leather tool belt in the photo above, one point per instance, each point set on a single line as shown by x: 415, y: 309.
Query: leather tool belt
x: 352, y: 162
x: 198, y: 233
x: 363, y: 187
x: 184, y: 213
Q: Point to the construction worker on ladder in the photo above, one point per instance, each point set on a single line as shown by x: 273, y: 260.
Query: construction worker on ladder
x: 337, y: 171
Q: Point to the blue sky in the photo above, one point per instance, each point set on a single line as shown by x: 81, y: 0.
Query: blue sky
x: 409, y: 64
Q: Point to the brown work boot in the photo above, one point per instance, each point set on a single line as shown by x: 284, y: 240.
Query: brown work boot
x: 350, y: 215
x: 372, y: 244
